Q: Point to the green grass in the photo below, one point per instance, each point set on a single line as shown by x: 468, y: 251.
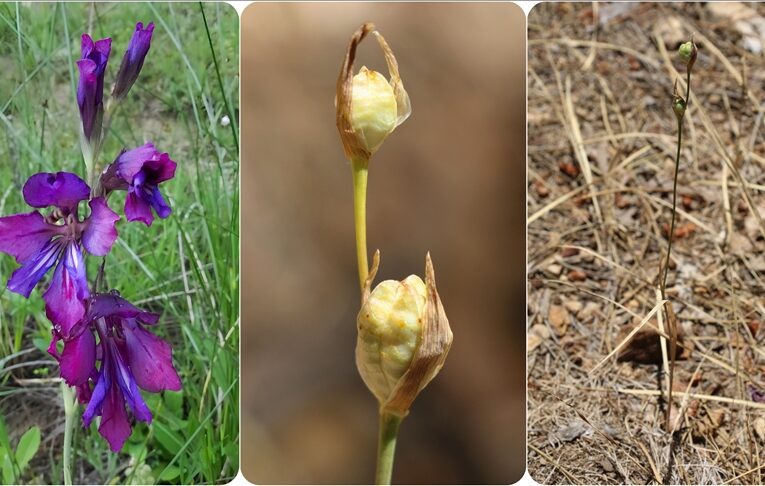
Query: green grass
x: 185, y: 266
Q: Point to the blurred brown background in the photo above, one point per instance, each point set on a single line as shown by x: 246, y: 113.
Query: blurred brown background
x: 449, y: 180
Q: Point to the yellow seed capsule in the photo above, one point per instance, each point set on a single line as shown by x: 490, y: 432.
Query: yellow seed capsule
x: 403, y: 338
x: 389, y: 325
x: 373, y: 108
x: 368, y: 106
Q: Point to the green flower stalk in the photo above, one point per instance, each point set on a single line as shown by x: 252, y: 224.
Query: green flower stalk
x: 403, y: 332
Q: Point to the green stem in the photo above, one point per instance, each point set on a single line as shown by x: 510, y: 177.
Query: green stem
x: 386, y: 447
x: 69, y: 413
x: 360, y: 170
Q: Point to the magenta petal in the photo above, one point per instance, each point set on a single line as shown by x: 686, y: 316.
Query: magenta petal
x: 84, y: 393
x: 150, y: 359
x: 78, y: 359
x: 159, y: 169
x: 131, y: 162
x: 137, y: 209
x: 112, y: 305
x: 64, y: 298
x: 115, y: 427
x: 100, y: 232
x: 62, y: 189
x: 24, y: 235
x: 126, y: 381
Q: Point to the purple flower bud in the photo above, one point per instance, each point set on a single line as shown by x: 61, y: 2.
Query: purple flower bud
x: 90, y: 90
x: 132, y: 61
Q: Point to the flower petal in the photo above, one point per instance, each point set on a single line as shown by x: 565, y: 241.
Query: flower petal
x: 137, y: 209
x: 159, y: 204
x: 100, y: 231
x: 84, y: 393
x: 159, y: 168
x: 62, y: 189
x: 29, y: 274
x: 115, y: 426
x: 126, y: 381
x: 150, y: 359
x: 53, y: 346
x: 131, y: 162
x: 103, y: 384
x: 87, y: 94
x: 24, y: 235
x: 64, y: 298
x: 112, y: 305
x: 78, y: 359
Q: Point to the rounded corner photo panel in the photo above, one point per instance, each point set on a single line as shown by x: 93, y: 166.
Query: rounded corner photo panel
x: 645, y: 203
x: 383, y: 276
x: 119, y: 243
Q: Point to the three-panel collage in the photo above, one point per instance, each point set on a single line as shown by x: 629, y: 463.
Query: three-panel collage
x: 382, y: 243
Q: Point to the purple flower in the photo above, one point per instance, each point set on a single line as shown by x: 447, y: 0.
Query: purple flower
x: 132, y: 61
x: 131, y: 358
x: 90, y: 90
x: 140, y: 171
x: 39, y: 243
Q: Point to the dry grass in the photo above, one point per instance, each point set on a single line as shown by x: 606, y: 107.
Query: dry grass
x: 601, y: 156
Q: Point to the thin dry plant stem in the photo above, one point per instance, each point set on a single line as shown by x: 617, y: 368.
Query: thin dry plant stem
x: 671, y: 322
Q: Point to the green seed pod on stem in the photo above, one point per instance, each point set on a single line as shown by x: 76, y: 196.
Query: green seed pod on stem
x: 403, y: 338
x: 368, y: 106
x: 678, y: 105
x: 688, y: 53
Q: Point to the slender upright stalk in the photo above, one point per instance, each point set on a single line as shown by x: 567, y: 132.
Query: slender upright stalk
x: 674, y: 208
x: 386, y: 447
x: 671, y: 324
x: 360, y: 170
x: 69, y: 413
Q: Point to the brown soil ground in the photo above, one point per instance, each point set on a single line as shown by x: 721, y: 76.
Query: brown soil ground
x: 602, y: 142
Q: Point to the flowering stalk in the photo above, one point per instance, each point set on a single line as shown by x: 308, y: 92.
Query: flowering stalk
x: 687, y: 53
x: 108, y: 353
x: 360, y: 168
x: 386, y: 447
x: 403, y: 333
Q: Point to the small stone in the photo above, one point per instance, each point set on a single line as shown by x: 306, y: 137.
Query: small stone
x: 759, y: 428
x: 537, y: 335
x: 559, y: 319
x: 573, y: 306
x: 554, y: 269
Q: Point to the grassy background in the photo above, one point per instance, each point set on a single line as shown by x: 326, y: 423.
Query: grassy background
x: 185, y: 266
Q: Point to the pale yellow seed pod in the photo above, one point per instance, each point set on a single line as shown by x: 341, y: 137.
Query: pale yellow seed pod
x: 373, y: 109
x: 403, y: 338
x: 369, y: 106
x: 389, y: 325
